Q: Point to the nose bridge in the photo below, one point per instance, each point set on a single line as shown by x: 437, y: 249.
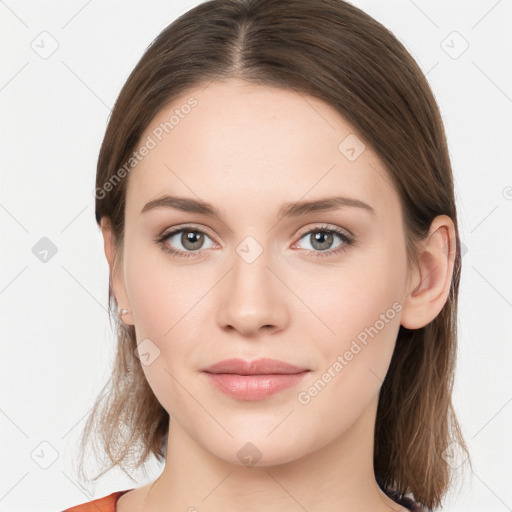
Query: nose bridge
x: 250, y: 267
x: 251, y: 299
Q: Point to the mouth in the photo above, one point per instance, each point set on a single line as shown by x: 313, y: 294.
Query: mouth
x: 262, y: 366
x: 253, y: 380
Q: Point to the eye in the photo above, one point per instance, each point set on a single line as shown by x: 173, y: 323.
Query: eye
x: 321, y: 240
x: 187, y: 239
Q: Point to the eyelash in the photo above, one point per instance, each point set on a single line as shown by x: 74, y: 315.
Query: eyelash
x: 347, y: 241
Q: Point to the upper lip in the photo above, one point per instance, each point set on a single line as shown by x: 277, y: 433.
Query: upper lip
x: 262, y: 366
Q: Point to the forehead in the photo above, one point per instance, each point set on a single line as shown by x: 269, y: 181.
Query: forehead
x: 236, y: 143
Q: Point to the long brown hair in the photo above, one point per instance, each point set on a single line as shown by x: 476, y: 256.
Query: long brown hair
x: 333, y: 51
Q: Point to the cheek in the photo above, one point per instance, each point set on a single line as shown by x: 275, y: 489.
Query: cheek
x: 162, y: 295
x: 354, y: 361
x: 164, y: 301
x: 168, y: 305
x: 364, y: 328
x: 361, y: 306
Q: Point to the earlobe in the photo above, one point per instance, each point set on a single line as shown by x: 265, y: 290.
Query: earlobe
x: 430, y: 281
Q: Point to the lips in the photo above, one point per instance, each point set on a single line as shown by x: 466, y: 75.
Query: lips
x: 262, y: 366
x: 253, y: 380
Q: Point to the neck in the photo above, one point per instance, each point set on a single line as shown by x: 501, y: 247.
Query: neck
x: 337, y: 477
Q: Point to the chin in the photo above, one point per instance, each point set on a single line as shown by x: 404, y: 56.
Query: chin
x: 259, y: 450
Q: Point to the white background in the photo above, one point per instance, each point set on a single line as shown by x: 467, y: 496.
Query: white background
x: 57, y: 346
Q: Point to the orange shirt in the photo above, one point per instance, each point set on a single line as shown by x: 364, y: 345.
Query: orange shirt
x: 108, y: 503
x: 105, y: 504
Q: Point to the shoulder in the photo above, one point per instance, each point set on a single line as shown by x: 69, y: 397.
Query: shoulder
x: 105, y: 504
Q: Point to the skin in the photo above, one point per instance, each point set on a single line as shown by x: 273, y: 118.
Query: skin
x: 248, y: 149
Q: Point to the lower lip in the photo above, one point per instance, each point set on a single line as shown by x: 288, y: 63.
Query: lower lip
x: 253, y: 387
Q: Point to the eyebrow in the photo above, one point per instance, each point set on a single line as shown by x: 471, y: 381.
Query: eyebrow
x: 292, y: 209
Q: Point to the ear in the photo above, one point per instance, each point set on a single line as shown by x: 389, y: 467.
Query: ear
x: 116, y: 269
x: 429, y: 283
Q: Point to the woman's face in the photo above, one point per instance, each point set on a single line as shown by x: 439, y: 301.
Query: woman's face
x: 261, y: 280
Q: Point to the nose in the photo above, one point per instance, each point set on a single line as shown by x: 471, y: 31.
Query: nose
x: 252, y: 298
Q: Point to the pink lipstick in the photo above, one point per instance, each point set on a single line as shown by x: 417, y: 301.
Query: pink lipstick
x: 253, y: 380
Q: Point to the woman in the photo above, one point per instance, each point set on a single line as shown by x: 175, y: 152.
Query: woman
x: 276, y: 199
